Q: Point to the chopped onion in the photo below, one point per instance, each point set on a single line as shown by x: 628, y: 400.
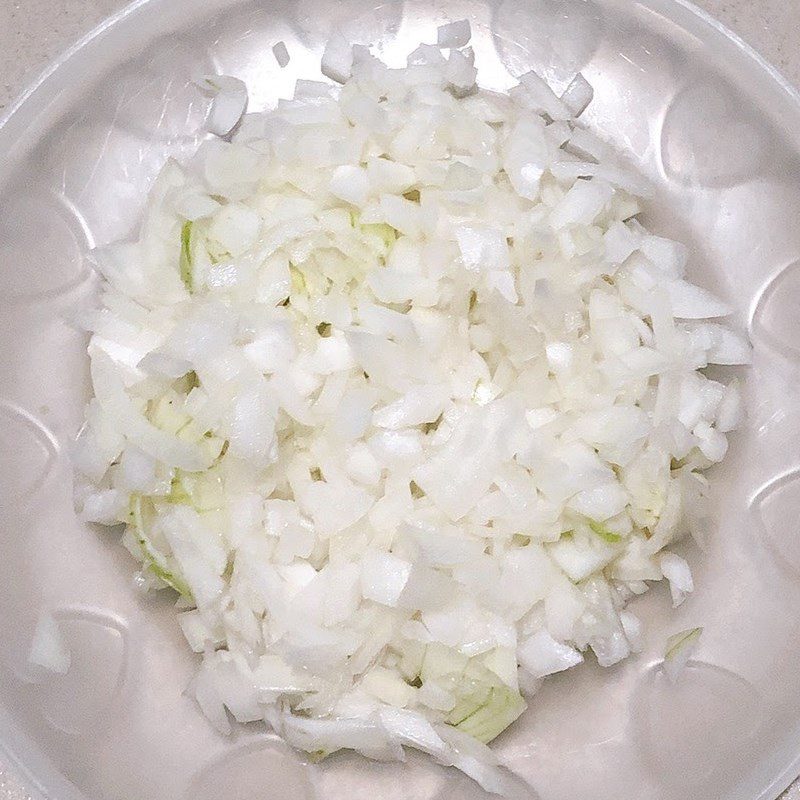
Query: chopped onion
x: 454, y: 34
x: 228, y: 104
x: 337, y: 58
x: 677, y: 572
x: 399, y: 398
x: 48, y: 648
x: 281, y: 54
x: 578, y: 95
x: 542, y: 655
x: 680, y: 648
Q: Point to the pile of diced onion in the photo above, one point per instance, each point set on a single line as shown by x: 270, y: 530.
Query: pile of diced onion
x: 397, y: 394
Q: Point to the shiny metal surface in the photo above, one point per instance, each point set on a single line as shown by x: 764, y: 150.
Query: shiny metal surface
x: 714, y: 130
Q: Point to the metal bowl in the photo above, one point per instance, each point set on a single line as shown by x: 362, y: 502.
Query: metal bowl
x: 686, y: 103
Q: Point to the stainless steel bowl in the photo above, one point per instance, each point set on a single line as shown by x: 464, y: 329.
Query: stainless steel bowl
x: 687, y: 104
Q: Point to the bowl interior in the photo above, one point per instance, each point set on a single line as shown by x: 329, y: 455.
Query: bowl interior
x: 718, y: 136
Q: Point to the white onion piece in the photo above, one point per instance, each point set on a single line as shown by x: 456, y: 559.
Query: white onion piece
x: 281, y: 54
x: 228, y: 104
x: 337, y: 58
x: 383, y: 577
x: 679, y: 651
x: 542, y: 655
x: 585, y: 145
x: 692, y: 302
x: 677, y: 572
x: 729, y: 414
x: 632, y: 626
x: 578, y: 95
x: 460, y: 72
x: 622, y: 179
x: 526, y: 156
x: 454, y: 34
x: 722, y: 345
x: 540, y: 97
x: 48, y: 648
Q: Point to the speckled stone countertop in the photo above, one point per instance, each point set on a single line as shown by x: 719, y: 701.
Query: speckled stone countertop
x: 33, y: 32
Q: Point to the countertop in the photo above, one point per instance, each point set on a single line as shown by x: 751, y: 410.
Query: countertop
x: 33, y: 32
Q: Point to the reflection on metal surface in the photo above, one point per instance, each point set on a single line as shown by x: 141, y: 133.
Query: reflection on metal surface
x: 93, y: 160
x: 156, y: 96
x: 776, y: 320
x: 97, y: 642
x: 706, y: 141
x: 344, y: 774
x: 718, y: 714
x: 28, y: 452
x: 776, y: 508
x: 42, y: 247
x: 266, y: 769
x: 365, y: 23
x: 556, y: 38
